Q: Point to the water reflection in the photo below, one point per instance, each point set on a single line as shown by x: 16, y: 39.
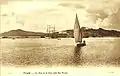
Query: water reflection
x: 77, y: 55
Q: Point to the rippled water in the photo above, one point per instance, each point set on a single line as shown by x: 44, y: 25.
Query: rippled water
x: 50, y: 52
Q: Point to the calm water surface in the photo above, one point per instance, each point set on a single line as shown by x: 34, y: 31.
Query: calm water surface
x: 50, y: 52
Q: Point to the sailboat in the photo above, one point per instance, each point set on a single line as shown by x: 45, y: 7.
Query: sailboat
x: 78, y: 33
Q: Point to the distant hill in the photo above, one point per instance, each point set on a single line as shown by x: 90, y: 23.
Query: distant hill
x: 87, y: 32
x: 101, y: 33
x: 20, y: 32
x: 90, y: 32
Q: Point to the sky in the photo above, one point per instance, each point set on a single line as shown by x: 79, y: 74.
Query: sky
x: 35, y: 15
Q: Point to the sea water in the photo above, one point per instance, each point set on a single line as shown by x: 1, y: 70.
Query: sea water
x: 100, y: 54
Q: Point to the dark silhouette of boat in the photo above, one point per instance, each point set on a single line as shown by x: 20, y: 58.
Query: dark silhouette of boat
x: 78, y: 33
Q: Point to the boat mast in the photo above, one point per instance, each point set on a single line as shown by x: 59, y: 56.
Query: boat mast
x: 48, y: 30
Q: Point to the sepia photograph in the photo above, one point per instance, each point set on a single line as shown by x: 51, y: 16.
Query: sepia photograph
x: 60, y: 37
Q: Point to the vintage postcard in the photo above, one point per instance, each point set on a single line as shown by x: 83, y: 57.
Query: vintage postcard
x: 60, y: 37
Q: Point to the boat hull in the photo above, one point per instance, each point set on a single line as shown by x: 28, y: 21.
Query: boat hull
x: 80, y: 45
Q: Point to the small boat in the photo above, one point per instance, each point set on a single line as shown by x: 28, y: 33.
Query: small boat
x: 78, y: 33
x: 13, y: 38
x: 59, y: 38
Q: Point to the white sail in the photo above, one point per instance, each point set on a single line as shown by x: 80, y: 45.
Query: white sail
x: 77, y: 31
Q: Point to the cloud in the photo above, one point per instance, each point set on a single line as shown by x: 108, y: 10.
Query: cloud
x: 113, y: 20
x: 6, y: 1
x: 30, y: 13
x: 106, y: 12
x: 72, y: 4
x: 3, y: 1
x: 102, y: 13
x: 96, y: 13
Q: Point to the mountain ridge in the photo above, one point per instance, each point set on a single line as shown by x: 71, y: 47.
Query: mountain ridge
x: 87, y: 32
x: 20, y: 32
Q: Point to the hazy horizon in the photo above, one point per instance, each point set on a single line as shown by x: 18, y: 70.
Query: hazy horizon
x: 35, y: 15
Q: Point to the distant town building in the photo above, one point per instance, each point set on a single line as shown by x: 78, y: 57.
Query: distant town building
x: 63, y: 32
